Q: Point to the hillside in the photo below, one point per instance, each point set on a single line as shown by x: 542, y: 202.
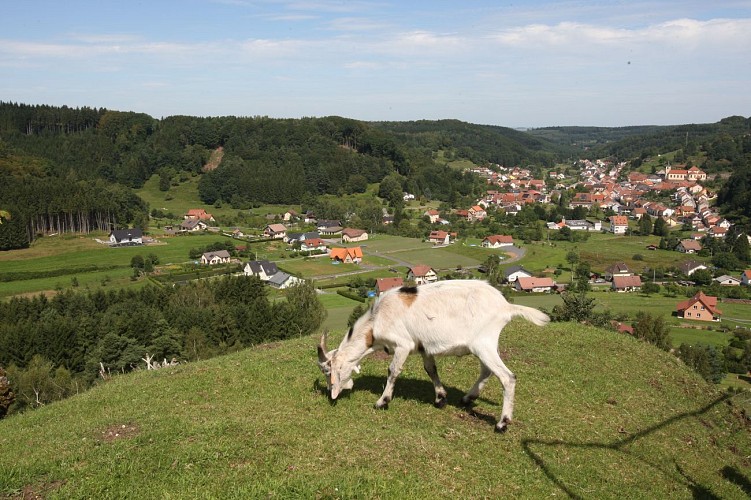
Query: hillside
x: 598, y: 415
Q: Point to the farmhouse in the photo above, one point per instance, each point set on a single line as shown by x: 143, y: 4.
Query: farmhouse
x: 432, y: 215
x: 626, y: 283
x: 263, y: 269
x: 349, y: 235
x: 193, y: 225
x: 313, y: 244
x: 199, y: 214
x: 422, y: 274
x: 352, y: 255
x: 213, y: 258
x: 617, y: 269
x: 126, y: 237
x: 276, y: 231
x: 700, y: 307
x: 497, y: 241
x: 386, y: 284
x: 688, y: 246
x: 441, y: 237
x: 536, y: 285
x: 329, y: 227
x: 689, y: 267
x: 726, y: 280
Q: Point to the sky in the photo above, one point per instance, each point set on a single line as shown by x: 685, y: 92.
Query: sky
x: 511, y: 63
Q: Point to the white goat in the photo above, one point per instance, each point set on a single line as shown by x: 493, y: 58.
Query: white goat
x: 443, y: 318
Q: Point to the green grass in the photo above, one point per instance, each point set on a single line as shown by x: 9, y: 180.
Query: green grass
x: 75, y: 252
x: 598, y: 415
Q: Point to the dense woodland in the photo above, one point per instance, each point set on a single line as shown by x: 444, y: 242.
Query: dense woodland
x: 75, y: 332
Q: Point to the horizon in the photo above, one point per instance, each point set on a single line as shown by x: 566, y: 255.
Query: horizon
x: 535, y: 65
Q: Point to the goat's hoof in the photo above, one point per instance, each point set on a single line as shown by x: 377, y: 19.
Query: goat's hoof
x: 468, y: 400
x: 382, y: 405
x: 502, y: 426
x: 440, y: 403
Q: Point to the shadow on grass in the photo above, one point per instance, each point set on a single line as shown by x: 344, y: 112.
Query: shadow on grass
x: 620, y: 445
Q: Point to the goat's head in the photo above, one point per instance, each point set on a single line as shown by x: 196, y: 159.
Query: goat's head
x: 338, y: 372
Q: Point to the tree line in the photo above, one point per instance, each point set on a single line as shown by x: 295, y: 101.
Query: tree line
x: 74, y: 335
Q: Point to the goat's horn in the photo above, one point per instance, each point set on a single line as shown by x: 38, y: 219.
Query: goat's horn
x: 322, y: 350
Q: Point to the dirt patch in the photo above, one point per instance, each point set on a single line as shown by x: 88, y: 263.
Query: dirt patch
x: 120, y: 431
x: 214, y: 160
x: 269, y: 346
x: 35, y: 491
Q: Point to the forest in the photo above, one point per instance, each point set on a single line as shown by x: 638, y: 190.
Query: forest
x: 78, y: 336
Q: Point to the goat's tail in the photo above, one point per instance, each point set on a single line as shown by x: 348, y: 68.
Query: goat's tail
x: 539, y: 318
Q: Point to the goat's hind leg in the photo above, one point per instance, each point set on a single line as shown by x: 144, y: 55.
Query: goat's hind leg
x: 400, y: 356
x: 474, y: 392
x: 428, y: 362
x: 492, y: 360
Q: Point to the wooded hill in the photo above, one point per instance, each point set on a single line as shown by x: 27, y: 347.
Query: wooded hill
x: 56, y: 162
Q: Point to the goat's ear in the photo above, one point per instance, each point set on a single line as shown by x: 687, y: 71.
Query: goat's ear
x: 322, y: 351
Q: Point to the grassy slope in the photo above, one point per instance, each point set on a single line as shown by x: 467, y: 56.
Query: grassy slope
x: 598, y: 415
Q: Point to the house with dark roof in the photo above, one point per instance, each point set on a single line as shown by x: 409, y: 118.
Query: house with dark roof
x: 283, y: 280
x: 263, y: 269
x: 617, y: 269
x: 689, y: 267
x: 512, y: 273
x: 700, y: 307
x: 126, y: 237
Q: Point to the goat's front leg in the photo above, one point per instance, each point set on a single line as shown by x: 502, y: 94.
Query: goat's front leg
x: 400, y: 356
x: 428, y: 362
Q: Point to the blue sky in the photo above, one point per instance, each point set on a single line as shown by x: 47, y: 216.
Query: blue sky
x: 512, y: 63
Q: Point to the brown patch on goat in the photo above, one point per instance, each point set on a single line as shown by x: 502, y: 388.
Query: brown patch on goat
x: 408, y: 295
x: 369, y: 337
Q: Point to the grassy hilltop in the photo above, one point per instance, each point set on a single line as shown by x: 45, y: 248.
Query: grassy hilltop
x: 598, y: 415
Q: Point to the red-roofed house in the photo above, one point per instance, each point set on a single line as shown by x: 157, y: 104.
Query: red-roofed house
x: 497, y: 241
x: 618, y: 224
x: 536, y: 285
x: 476, y: 213
x: 626, y: 283
x: 198, y: 213
x: 746, y: 277
x: 422, y: 274
x: 352, y: 255
x: 386, y: 284
x: 700, y: 307
x: 441, y: 237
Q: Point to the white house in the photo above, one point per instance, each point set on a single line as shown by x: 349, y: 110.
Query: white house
x: 618, y: 224
x: 213, y: 258
x: 283, y: 280
x: 261, y: 268
x: 422, y: 274
x: 726, y: 280
x: 513, y: 273
x: 126, y: 237
x: 497, y: 241
x: 535, y: 285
